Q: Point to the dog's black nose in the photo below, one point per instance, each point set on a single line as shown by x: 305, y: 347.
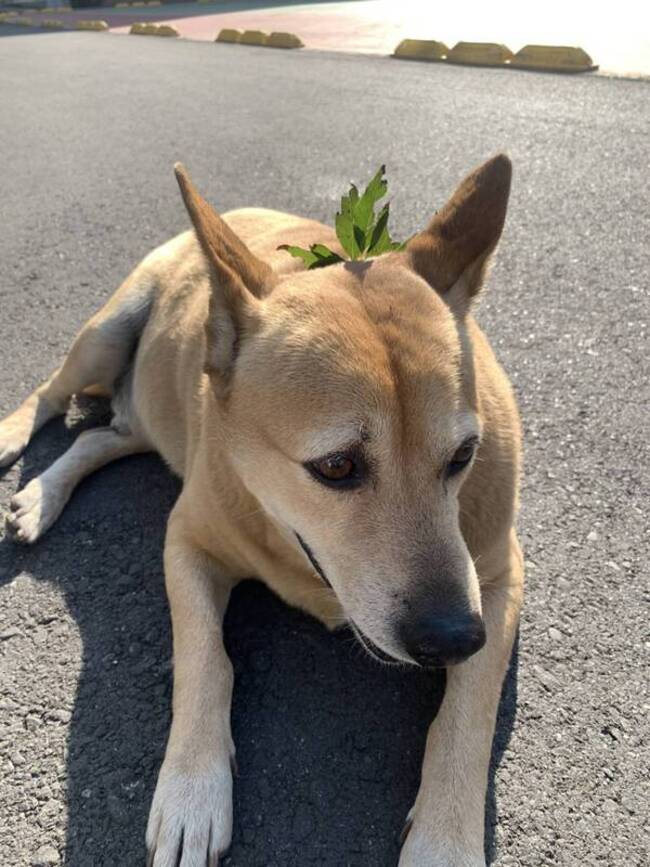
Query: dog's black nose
x: 435, y: 641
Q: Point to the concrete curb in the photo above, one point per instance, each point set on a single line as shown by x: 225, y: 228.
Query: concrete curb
x: 541, y: 58
x: 276, y: 39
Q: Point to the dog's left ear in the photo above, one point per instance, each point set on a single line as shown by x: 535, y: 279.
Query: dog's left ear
x: 452, y: 253
x: 239, y: 281
x: 225, y: 251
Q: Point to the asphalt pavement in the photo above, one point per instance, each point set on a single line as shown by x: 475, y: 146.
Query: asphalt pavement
x: 329, y: 744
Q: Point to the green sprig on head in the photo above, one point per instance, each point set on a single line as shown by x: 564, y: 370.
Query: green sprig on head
x: 361, y: 233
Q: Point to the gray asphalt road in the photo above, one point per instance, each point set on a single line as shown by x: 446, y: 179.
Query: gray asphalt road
x: 328, y: 743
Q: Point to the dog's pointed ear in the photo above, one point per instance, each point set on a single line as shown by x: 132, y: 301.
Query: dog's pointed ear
x: 240, y: 279
x: 452, y: 253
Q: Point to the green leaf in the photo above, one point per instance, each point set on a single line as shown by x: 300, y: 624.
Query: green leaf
x: 360, y: 234
x: 307, y: 256
x: 323, y: 252
x: 330, y: 259
x: 318, y: 255
x: 345, y: 232
x: 376, y: 190
x: 380, y: 237
x: 349, y: 202
x: 360, y: 239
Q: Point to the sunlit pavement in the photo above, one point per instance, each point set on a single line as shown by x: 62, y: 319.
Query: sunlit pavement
x: 616, y: 35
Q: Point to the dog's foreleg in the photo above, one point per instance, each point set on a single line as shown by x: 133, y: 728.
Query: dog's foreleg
x: 37, y: 506
x: 17, y: 429
x: 445, y: 828
x: 190, y: 822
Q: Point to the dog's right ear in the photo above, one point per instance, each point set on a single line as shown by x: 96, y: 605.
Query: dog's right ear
x: 239, y: 278
x: 454, y: 250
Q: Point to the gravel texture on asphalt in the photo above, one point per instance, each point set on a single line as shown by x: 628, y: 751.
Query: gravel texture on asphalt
x: 328, y: 743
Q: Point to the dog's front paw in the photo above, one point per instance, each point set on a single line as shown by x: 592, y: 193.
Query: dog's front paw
x: 35, y: 509
x: 190, y: 822
x: 13, y: 440
x: 424, y: 845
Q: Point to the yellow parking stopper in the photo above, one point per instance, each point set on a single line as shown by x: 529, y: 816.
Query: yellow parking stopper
x: 253, y: 37
x: 283, y: 40
x: 480, y: 54
x: 553, y: 58
x: 166, y: 30
x: 97, y: 26
x: 144, y: 28
x: 228, y: 35
x: 421, y: 49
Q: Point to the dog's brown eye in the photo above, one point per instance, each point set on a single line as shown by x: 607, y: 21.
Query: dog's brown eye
x: 338, y: 470
x: 462, y: 457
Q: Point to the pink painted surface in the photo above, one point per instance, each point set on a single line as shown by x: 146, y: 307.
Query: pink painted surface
x: 325, y: 28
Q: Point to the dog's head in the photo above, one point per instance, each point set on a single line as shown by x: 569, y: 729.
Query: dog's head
x: 349, y: 403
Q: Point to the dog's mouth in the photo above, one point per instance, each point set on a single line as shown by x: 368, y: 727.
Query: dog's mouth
x: 368, y: 645
x: 312, y: 559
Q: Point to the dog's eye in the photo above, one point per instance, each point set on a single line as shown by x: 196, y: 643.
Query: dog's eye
x: 337, y: 471
x: 462, y: 457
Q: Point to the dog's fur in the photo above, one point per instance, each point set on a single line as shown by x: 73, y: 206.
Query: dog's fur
x: 241, y: 369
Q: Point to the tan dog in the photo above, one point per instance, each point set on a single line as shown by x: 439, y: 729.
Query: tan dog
x: 347, y: 435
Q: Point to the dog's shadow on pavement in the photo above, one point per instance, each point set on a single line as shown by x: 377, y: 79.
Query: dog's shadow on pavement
x: 329, y: 744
